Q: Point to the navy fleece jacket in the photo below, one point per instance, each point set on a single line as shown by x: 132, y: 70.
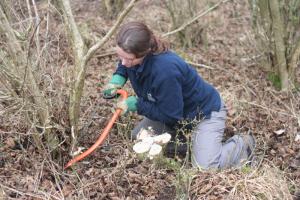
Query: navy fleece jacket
x: 169, y: 90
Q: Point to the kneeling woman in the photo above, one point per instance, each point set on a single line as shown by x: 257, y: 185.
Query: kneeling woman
x: 169, y: 91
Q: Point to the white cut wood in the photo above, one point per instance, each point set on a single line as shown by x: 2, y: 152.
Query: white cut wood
x: 162, y: 139
x: 144, y: 134
x: 141, y: 147
x: 154, y: 151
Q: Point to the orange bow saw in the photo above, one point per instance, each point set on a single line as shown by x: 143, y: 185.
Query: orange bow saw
x: 104, y: 134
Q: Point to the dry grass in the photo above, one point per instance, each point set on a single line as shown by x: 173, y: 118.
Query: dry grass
x: 264, y: 183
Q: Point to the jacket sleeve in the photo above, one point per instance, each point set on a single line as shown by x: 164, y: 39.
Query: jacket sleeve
x: 168, y: 105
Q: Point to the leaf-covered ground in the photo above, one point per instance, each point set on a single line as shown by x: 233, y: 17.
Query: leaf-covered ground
x: 114, y: 171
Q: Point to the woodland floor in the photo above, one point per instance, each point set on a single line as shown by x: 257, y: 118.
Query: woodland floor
x: 114, y: 171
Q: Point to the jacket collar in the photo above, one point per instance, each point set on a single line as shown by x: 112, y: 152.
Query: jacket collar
x: 143, y: 68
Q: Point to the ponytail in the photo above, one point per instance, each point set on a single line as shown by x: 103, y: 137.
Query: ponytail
x: 158, y: 46
x: 138, y: 39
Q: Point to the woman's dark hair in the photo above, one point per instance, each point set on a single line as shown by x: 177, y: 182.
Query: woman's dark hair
x: 138, y: 39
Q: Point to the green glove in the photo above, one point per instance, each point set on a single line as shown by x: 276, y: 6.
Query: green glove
x: 129, y: 104
x: 114, y: 84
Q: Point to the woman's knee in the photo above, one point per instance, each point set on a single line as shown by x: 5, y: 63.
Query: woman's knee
x: 206, y: 160
x: 156, y: 126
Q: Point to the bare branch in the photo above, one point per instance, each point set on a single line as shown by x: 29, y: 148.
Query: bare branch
x: 29, y: 10
x: 5, y: 5
x: 82, y: 56
x: 199, y: 65
x: 280, y: 48
x: 7, y: 70
x: 14, y: 47
x: 100, y: 43
x: 112, y: 53
x: 295, y: 56
x: 72, y: 30
x: 183, y: 26
x: 37, y: 23
x: 107, y: 53
x: 18, y: 61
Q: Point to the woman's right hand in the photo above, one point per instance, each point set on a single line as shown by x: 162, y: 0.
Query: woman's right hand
x: 110, y: 90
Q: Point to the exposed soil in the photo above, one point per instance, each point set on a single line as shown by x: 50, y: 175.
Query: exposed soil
x: 114, y: 171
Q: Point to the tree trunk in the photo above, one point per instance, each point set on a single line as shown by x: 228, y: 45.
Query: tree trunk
x: 267, y: 24
x: 280, y: 48
x: 113, y: 7
x: 293, y: 64
x: 79, y: 50
x: 82, y: 55
x: 180, y: 12
x: 276, y: 25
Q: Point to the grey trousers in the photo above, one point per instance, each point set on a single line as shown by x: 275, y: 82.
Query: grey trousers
x: 208, y: 151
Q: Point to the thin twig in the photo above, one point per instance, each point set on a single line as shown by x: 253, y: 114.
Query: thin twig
x: 113, y: 29
x: 29, y: 11
x: 183, y: 26
x: 112, y: 52
x: 20, y: 192
x: 37, y: 23
x: 199, y: 65
x: 28, y: 55
x: 268, y: 109
x: 108, y: 53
